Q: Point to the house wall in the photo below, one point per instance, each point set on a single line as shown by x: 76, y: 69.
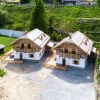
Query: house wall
x: 14, y: 1
x: 34, y: 47
x: 37, y: 55
x: 69, y: 61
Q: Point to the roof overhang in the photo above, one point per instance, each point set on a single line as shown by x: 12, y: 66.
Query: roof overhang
x: 50, y: 44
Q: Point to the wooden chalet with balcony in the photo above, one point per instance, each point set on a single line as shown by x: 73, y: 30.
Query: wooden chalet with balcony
x: 31, y: 45
x: 74, y: 50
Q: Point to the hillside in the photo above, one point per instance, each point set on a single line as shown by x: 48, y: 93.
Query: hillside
x: 66, y: 18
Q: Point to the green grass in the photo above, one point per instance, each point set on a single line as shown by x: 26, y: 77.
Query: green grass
x: 6, y: 41
x: 66, y: 18
x: 2, y: 73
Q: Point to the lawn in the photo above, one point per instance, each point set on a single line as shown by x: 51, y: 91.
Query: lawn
x: 6, y: 41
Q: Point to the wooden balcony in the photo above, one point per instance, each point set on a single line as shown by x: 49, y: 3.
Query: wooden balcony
x: 73, y: 56
x: 24, y: 50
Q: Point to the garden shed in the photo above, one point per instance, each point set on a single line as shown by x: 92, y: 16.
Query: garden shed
x: 2, y: 48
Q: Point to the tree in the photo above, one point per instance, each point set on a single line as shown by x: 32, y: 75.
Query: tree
x: 98, y: 3
x: 3, y: 17
x: 38, y: 17
x: 24, y: 1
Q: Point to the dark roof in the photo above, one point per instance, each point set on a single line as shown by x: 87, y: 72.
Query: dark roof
x: 2, y: 46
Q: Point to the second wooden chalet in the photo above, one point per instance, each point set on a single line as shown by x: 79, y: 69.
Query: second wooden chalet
x: 74, y: 50
x: 31, y: 46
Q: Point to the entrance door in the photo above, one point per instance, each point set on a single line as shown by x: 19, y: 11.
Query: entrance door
x: 63, y: 61
x: 21, y: 56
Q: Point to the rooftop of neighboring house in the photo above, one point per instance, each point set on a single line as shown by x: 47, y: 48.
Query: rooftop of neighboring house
x: 80, y: 40
x: 37, y: 36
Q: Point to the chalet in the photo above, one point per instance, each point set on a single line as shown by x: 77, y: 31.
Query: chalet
x: 74, y: 50
x: 2, y: 48
x: 31, y: 45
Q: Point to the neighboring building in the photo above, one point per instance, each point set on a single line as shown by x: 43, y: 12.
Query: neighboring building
x: 75, y: 1
x: 2, y: 48
x: 74, y: 50
x: 31, y: 46
x: 13, y: 1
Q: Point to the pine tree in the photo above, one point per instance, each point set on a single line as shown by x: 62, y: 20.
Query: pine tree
x: 38, y: 17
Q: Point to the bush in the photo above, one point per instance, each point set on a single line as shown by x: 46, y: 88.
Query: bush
x: 3, y: 17
x: 18, y: 26
x: 2, y: 72
x: 57, y: 36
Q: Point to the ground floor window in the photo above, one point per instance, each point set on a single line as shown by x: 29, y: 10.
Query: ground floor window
x: 31, y: 55
x: 76, y: 62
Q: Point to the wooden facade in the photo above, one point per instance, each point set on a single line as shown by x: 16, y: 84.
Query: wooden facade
x: 70, y: 50
x: 26, y: 45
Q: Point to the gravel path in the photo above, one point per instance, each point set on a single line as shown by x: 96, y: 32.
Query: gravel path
x: 30, y: 81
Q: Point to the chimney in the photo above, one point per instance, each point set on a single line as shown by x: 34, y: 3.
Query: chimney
x: 70, y: 35
x: 25, y: 33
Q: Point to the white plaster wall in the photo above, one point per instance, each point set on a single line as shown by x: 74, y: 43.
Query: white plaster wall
x: 58, y: 59
x: 70, y: 62
x: 37, y: 55
x: 82, y: 62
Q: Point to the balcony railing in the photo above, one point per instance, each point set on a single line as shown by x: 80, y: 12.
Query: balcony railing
x: 24, y: 50
x: 74, y: 56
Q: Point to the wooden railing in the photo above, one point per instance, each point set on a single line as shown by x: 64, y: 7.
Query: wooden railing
x: 74, y: 56
x: 24, y: 50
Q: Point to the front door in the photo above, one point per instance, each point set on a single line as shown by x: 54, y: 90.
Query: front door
x: 21, y: 56
x: 64, y: 61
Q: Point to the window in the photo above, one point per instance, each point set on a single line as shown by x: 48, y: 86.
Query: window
x: 22, y: 46
x: 75, y: 62
x: 73, y: 51
x: 31, y: 55
x: 29, y: 46
x: 66, y: 50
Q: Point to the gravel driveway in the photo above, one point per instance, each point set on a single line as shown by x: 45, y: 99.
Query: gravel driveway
x: 30, y: 81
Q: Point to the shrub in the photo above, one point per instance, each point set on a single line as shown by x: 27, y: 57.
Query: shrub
x: 2, y: 72
x: 57, y: 36
x: 3, y: 17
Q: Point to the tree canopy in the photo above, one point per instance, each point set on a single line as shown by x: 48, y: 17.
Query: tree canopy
x: 38, y: 17
x: 98, y: 3
x: 24, y: 1
x: 3, y: 17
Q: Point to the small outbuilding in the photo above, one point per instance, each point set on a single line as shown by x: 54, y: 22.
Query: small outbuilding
x: 2, y: 48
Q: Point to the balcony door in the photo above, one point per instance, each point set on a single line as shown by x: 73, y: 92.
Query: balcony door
x: 63, y: 61
x: 21, y: 56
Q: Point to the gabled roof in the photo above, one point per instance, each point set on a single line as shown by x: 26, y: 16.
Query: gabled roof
x: 79, y: 39
x: 36, y: 36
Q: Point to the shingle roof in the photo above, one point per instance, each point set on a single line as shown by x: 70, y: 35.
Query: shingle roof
x: 35, y: 36
x: 80, y: 40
